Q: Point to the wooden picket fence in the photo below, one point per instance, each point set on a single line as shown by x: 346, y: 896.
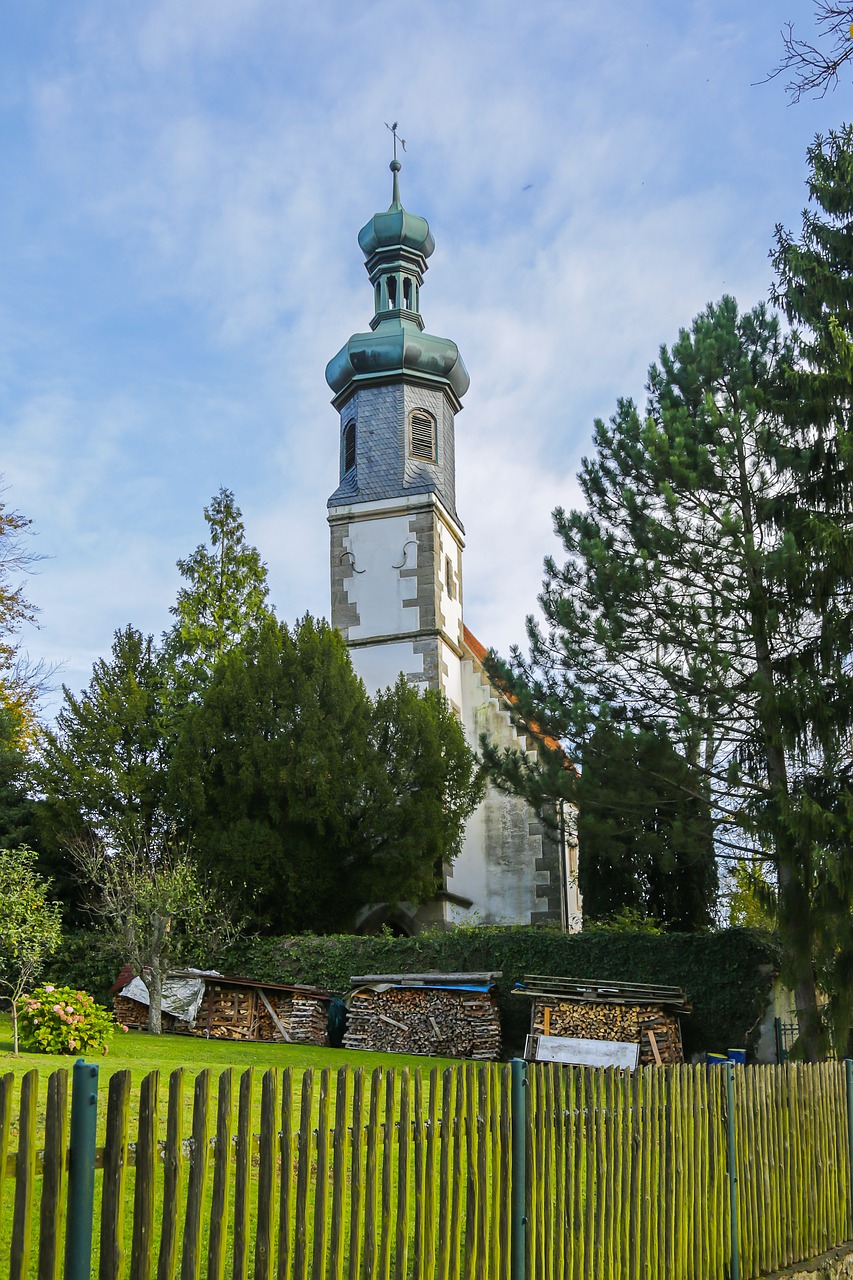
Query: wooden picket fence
x: 338, y: 1174
x: 395, y: 1173
x: 629, y: 1176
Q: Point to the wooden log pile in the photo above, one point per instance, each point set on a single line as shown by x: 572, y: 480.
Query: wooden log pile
x: 229, y: 1011
x: 425, y: 1020
x: 134, y: 1015
x: 650, y: 1026
x: 309, y: 1018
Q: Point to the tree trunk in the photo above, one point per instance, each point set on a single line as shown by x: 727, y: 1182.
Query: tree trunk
x: 15, y: 1026
x: 153, y: 980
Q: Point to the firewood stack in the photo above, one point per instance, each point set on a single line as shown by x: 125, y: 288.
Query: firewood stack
x: 243, y: 1009
x: 225, y: 1013
x: 134, y: 1015
x: 398, y: 1013
x: 628, y: 1012
x: 626, y: 1022
x: 308, y: 1022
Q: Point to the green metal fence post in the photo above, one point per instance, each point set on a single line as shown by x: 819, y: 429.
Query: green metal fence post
x: 518, y: 1164
x: 732, y: 1152
x: 81, y: 1171
x: 848, y: 1065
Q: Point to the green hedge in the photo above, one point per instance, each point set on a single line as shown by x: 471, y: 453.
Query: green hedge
x: 727, y: 976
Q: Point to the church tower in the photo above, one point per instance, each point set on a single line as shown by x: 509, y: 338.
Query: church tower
x: 396, y: 560
x: 396, y: 539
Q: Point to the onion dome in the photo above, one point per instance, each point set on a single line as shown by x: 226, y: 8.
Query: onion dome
x: 396, y: 228
x: 396, y: 245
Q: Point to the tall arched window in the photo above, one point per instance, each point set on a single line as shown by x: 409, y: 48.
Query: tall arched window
x: 348, y: 450
x: 422, y: 443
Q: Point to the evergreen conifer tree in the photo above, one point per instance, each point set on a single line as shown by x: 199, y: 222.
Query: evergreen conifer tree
x: 225, y: 597
x: 815, y: 289
x: 706, y: 588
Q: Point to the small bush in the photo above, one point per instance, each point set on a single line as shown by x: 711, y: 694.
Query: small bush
x: 62, y: 1020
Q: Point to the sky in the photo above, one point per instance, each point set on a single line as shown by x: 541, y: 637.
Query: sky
x: 184, y: 181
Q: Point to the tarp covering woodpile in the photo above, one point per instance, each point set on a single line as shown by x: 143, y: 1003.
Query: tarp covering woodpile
x: 590, y: 1009
x: 226, y: 1007
x: 450, y: 1015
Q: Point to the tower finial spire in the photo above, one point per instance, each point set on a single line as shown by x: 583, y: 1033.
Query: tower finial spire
x: 395, y: 166
x: 402, y: 141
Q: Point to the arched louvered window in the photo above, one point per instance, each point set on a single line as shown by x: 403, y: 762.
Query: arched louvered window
x: 422, y: 435
x: 349, y: 448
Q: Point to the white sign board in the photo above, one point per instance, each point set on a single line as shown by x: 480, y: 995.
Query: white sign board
x: 582, y: 1053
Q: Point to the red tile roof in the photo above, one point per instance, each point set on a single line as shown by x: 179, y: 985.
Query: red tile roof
x: 479, y: 652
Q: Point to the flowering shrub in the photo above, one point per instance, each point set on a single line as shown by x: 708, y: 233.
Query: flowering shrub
x: 61, y: 1020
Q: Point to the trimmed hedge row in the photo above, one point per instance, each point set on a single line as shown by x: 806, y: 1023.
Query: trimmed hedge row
x: 727, y: 976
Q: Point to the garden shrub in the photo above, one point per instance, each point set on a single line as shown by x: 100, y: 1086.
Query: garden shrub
x: 62, y: 1020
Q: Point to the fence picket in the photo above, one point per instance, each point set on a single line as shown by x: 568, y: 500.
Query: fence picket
x: 357, y: 1135
x: 142, y: 1243
x: 53, y: 1177
x: 386, y: 1224
x: 197, y: 1181
x: 267, y: 1161
x: 301, y: 1255
x: 25, y: 1177
x: 454, y: 1242
x: 339, y: 1151
x: 242, y: 1175
x: 221, y: 1179
x: 111, y: 1260
x: 401, y: 1249
x: 321, y: 1196
x: 430, y: 1175
x: 173, y: 1178
x: 285, y: 1187
x: 445, y: 1190
x: 370, y: 1174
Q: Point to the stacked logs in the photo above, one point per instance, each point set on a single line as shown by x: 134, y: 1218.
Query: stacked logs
x: 309, y: 1020
x: 428, y: 1020
x: 134, y: 1015
x: 225, y: 1013
x: 231, y: 1012
x: 654, y: 1028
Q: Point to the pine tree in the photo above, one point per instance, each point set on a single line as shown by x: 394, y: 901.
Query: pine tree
x: 225, y: 597
x: 702, y: 591
x: 644, y: 831
x: 103, y: 768
x: 815, y: 290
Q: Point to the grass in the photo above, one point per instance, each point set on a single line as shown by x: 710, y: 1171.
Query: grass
x: 140, y: 1053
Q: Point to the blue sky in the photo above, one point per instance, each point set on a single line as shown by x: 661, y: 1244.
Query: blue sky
x: 183, y: 185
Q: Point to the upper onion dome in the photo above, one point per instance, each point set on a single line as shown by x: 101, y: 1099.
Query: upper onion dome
x: 396, y: 227
x: 396, y: 245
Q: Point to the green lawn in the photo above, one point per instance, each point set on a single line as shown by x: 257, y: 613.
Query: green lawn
x: 141, y: 1053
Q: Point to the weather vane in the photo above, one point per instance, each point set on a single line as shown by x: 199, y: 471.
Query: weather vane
x: 402, y: 141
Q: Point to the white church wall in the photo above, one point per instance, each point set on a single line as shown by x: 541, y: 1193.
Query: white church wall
x: 380, y: 548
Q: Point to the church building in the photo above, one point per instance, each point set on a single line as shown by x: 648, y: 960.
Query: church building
x: 396, y: 565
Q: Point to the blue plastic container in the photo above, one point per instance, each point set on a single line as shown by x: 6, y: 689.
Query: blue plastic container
x: 715, y: 1059
x: 738, y: 1056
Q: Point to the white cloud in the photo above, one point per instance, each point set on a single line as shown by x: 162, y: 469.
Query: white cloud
x: 182, y: 261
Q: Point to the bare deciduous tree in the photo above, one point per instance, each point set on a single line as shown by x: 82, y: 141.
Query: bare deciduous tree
x: 814, y: 68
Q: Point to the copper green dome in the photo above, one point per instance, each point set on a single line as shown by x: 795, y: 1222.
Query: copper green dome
x: 396, y: 227
x: 396, y: 245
